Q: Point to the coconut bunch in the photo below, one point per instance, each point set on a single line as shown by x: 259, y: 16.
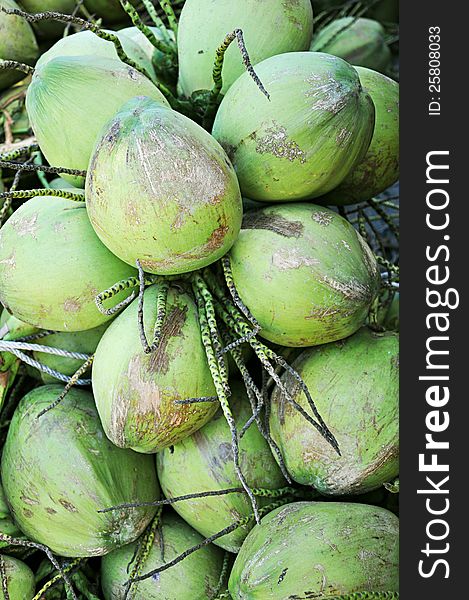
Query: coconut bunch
x: 199, y: 282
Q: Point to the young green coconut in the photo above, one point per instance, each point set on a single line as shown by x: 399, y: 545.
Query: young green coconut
x: 161, y: 190
x: 358, y: 41
x: 319, y: 550
x: 58, y: 470
x: 137, y: 393
x: 29, y: 241
x: 269, y: 27
x: 87, y: 43
x: 17, y: 43
x: 207, y: 455
x: 16, y: 579
x: 305, y: 274
x: 69, y: 100
x: 355, y: 382
x: 379, y: 168
x: 196, y: 578
x: 303, y: 142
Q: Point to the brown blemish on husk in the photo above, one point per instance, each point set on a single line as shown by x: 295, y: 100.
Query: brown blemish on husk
x: 277, y: 143
x: 275, y: 223
x: 174, y: 322
x: 71, y: 305
x: 68, y: 505
x: 294, y: 259
x: 50, y: 510
x: 27, y: 513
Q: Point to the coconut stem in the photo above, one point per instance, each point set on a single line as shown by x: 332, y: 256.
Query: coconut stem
x: 230, y: 284
x: 68, y: 386
x: 160, y: 311
x: 3, y: 574
x: 213, y: 99
x: 235, y: 322
x: 17, y: 66
x: 169, y: 12
x: 147, y: 32
x: 210, y: 340
x: 376, y: 206
x: 151, y: 10
x: 222, y: 579
x: 196, y: 400
x: 75, y: 563
x: 124, y: 284
x: 26, y: 194
x: 235, y: 525
x: 45, y: 169
x: 143, y: 550
x: 28, y: 544
x: 19, y: 152
x: 253, y: 394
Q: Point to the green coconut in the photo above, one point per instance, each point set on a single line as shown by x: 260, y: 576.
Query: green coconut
x: 196, y: 577
x: 269, y: 27
x: 52, y: 265
x: 302, y: 142
x: 358, y: 41
x: 305, y: 274
x: 69, y: 100
x: 160, y: 189
x: 379, y: 169
x: 49, y: 29
x: 135, y: 392
x: 110, y: 11
x: 206, y: 458
x: 86, y: 43
x: 318, y: 550
x: 85, y: 342
x: 20, y: 583
x: 17, y: 42
x: 59, y: 470
x: 355, y: 385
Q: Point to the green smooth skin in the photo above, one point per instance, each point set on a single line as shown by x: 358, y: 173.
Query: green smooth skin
x: 69, y: 100
x: 135, y: 392
x: 160, y: 189
x: 60, y: 469
x: 206, y: 459
x: 318, y: 550
x: 86, y: 43
x: 305, y: 273
x: 380, y: 167
x: 52, y: 265
x: 196, y: 577
x: 49, y: 29
x: 17, y: 42
x: 269, y: 27
x: 355, y: 386
x: 12, y: 328
x: 19, y: 580
x: 358, y: 41
x: 303, y: 142
x: 109, y: 10
x: 76, y: 341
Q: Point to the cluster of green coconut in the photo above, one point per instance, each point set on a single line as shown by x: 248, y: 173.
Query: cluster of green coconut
x: 199, y: 353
